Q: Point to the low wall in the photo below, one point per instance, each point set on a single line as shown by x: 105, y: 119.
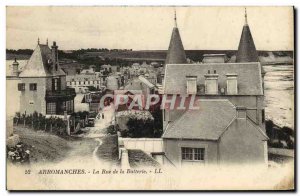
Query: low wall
x: 148, y: 145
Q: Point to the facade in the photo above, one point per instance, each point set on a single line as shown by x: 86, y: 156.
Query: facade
x: 218, y: 133
x: 43, y: 84
x: 229, y: 127
x: 80, y: 82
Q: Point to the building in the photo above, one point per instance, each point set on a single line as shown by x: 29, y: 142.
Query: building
x: 214, y: 58
x: 43, y: 84
x: 70, y: 67
x: 229, y: 127
x: 87, y: 77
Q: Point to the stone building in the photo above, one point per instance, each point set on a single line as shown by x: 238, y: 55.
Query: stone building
x: 87, y: 77
x: 43, y: 84
x: 229, y: 127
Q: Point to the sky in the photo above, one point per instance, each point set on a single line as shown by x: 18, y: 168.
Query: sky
x: 148, y: 28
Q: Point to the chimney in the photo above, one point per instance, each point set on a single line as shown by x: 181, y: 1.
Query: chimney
x: 232, y: 86
x: 15, y: 68
x: 54, y: 55
x: 241, y: 112
x: 191, y: 85
x: 211, y: 83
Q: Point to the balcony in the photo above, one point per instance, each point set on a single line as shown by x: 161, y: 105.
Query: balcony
x: 60, y: 95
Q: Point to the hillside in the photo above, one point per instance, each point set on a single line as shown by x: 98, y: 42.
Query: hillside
x: 268, y: 57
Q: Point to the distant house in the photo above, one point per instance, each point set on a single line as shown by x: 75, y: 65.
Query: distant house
x: 214, y: 58
x: 70, y: 67
x: 81, y: 82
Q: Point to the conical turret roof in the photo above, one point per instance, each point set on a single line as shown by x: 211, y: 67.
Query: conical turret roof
x: 246, y: 51
x: 176, y: 54
x: 38, y: 64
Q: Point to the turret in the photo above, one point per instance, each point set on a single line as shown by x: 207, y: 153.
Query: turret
x: 246, y: 51
x: 176, y: 54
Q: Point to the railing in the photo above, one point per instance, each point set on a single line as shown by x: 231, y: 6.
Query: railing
x: 148, y: 145
x: 66, y: 93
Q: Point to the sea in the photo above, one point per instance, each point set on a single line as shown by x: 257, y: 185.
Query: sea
x: 279, y: 92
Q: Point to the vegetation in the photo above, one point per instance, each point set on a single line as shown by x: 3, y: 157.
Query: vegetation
x: 18, y: 154
x: 92, y: 88
x: 112, y: 130
x: 158, y: 121
x: 37, y: 121
x: 138, y: 128
x: 279, y: 135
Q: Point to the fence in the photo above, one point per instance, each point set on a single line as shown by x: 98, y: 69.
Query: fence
x: 55, y: 125
x: 148, y: 145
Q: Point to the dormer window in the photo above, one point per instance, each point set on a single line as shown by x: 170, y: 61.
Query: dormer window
x: 211, y: 84
x: 191, y: 85
x: 232, y: 86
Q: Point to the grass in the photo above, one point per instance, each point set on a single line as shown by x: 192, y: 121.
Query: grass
x: 47, y: 147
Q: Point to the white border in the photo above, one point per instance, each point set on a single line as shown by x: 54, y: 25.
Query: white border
x: 5, y: 3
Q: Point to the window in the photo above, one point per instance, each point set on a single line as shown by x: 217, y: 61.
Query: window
x: 33, y: 86
x: 51, y: 108
x: 191, y: 85
x: 263, y: 116
x: 21, y: 87
x: 193, y: 154
x: 69, y: 106
x: 56, y: 83
x: 187, y: 154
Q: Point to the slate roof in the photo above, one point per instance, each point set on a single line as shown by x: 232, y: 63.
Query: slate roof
x: 176, y: 54
x: 246, y: 51
x: 37, y: 65
x: 138, y: 158
x: 207, y: 123
x: 249, y: 76
x: 147, y: 82
x: 135, y: 84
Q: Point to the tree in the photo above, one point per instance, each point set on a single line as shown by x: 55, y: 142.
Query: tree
x: 138, y: 128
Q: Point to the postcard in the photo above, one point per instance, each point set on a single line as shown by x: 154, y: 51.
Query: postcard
x: 150, y: 98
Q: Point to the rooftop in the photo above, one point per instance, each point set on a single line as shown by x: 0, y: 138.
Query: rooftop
x: 38, y: 65
x: 249, y: 76
x: 212, y: 119
x: 176, y: 53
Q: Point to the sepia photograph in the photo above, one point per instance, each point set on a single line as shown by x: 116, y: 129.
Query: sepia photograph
x: 150, y: 98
